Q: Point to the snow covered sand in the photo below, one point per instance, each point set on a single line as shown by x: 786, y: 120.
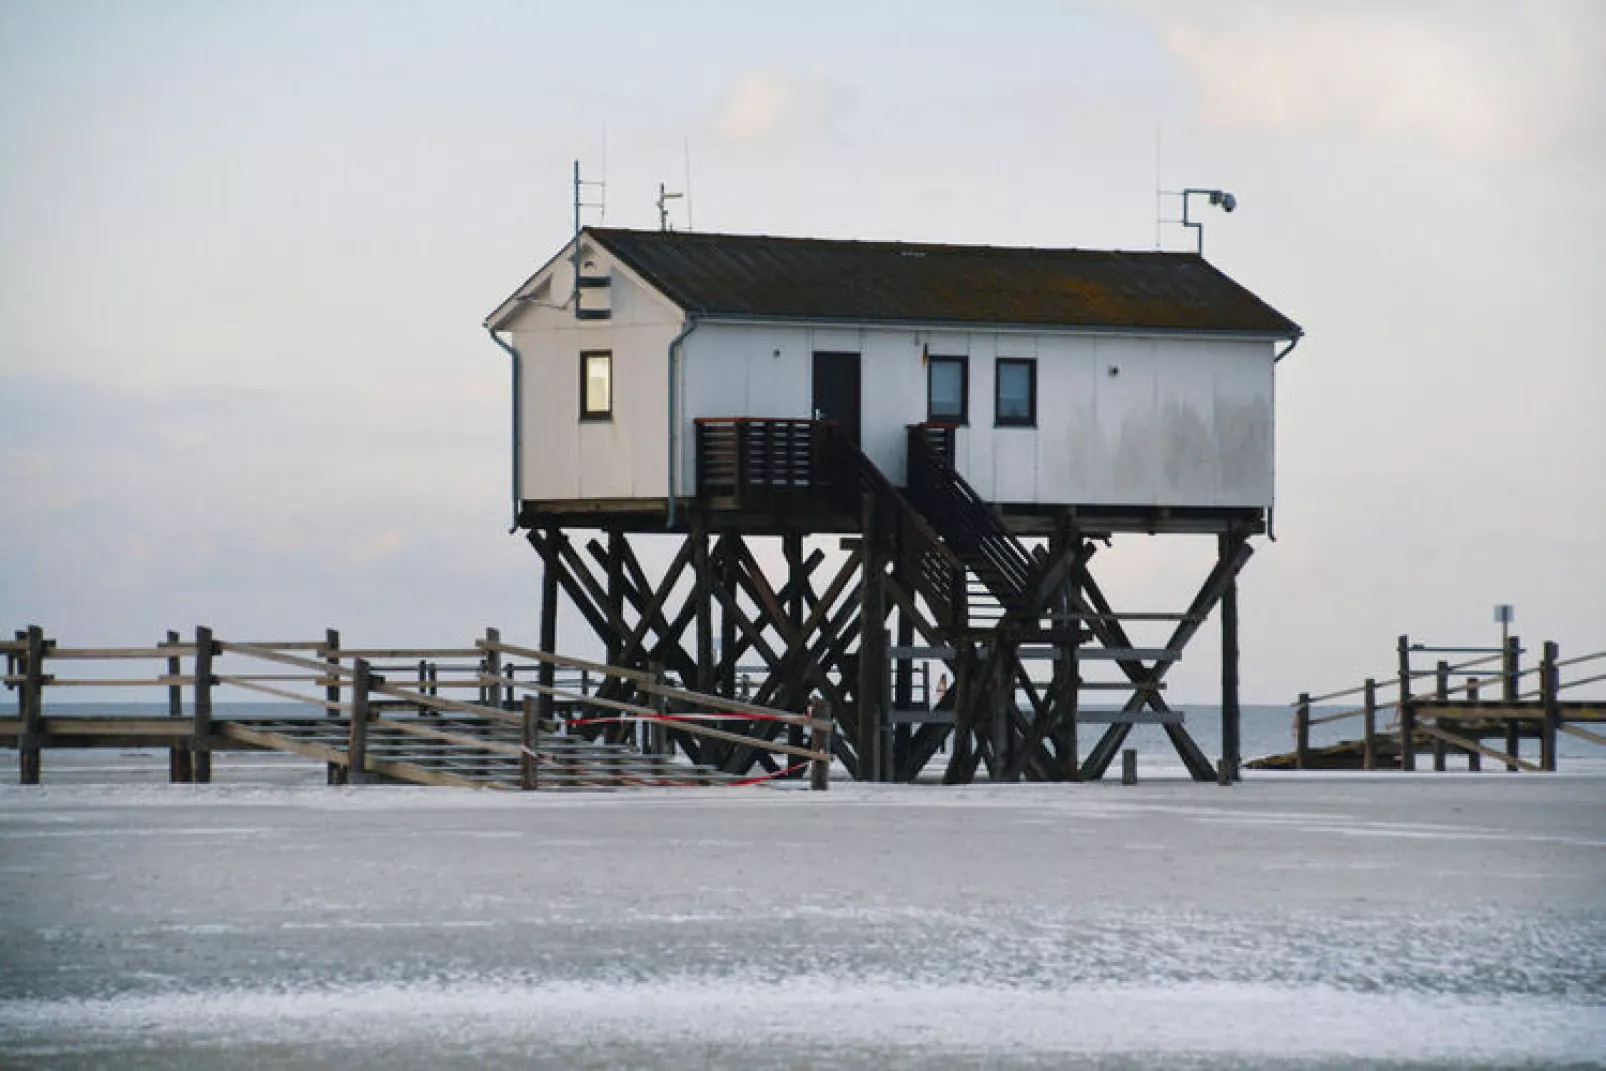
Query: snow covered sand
x: 1301, y: 921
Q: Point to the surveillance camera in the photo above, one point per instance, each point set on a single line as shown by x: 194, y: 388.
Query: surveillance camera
x: 1228, y: 202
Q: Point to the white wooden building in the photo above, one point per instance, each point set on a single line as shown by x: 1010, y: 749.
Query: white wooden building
x: 1075, y: 378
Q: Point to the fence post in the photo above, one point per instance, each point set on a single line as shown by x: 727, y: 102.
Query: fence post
x: 201, y: 717
x: 1508, y: 692
x: 1369, y: 739
x: 1302, y: 731
x: 1474, y: 759
x: 423, y: 686
x: 820, y: 741
x: 357, y: 743
x: 33, y: 707
x: 531, y: 746
x: 331, y: 656
x: 658, y: 731
x: 1549, y: 695
x: 1407, y: 711
x: 490, y: 693
x: 179, y: 767
x: 1129, y: 766
x: 1441, y: 691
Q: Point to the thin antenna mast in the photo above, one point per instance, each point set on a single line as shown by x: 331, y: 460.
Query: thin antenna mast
x: 580, y: 203
x: 686, y: 147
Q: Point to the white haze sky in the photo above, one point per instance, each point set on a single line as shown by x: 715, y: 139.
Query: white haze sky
x: 245, y: 250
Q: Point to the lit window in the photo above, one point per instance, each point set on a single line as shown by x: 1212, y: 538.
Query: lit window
x: 596, y: 385
x: 1017, y: 393
x: 947, y: 389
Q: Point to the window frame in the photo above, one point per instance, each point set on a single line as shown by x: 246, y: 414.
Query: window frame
x: 588, y: 414
x: 963, y: 418
x: 1030, y: 419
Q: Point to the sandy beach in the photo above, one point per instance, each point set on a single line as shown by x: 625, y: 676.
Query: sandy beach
x: 1327, y: 921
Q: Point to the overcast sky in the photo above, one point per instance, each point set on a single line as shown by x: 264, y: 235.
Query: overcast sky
x: 245, y: 251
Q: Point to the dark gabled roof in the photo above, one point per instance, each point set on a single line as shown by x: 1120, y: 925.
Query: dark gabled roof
x: 815, y: 279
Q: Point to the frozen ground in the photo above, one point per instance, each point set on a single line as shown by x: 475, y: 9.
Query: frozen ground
x: 1306, y: 921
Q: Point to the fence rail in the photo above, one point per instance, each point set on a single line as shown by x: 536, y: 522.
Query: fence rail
x: 1452, y: 714
x: 359, y: 701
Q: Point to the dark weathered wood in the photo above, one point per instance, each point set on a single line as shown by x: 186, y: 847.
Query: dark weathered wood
x: 546, y: 673
x: 872, y: 650
x: 1369, y: 739
x: 1549, y: 697
x: 491, y: 667
x: 1302, y: 731
x: 1231, y: 714
x: 1441, y: 691
x: 530, y: 745
x: 1511, y: 667
x: 331, y: 654
x: 1407, y: 708
x: 820, y: 742
x: 704, y: 584
x: 357, y: 742
x: 1129, y: 767
x: 201, y: 725
x: 180, y: 769
x: 32, y: 704
x: 1474, y: 758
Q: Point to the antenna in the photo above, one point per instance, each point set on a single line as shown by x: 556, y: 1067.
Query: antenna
x: 664, y: 197
x: 580, y: 203
x: 686, y: 147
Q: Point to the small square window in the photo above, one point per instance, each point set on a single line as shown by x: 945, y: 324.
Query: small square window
x: 596, y: 385
x: 1016, y: 398
x: 947, y: 390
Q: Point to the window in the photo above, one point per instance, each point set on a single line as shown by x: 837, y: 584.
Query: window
x: 1016, y: 398
x: 596, y: 385
x: 947, y: 390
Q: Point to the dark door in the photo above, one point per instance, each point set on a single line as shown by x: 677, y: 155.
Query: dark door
x: 836, y: 390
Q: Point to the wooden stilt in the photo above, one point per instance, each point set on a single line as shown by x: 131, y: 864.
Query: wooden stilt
x: 32, y: 703
x: 1407, y: 708
x: 357, y: 742
x: 201, y: 726
x: 180, y: 770
x: 1549, y: 696
x: 1441, y: 691
x: 1369, y: 740
x: 1231, y: 750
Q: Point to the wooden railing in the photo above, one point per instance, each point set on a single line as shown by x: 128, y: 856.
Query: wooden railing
x: 346, y: 683
x: 901, y: 533
x: 745, y: 458
x: 1493, y: 687
x: 965, y: 522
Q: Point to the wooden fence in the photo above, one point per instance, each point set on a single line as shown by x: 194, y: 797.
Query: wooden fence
x: 1491, y: 695
x: 430, y: 715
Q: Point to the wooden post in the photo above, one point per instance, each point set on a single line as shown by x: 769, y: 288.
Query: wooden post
x: 820, y: 740
x: 423, y: 685
x: 1231, y: 714
x: 1407, y: 710
x: 201, y: 728
x: 1369, y: 741
x: 491, y: 694
x: 792, y: 551
x: 1512, y: 665
x: 658, y: 731
x: 331, y: 655
x: 549, y: 627
x: 1549, y: 695
x: 33, y: 707
x: 1302, y: 731
x: 1003, y: 693
x: 1441, y: 690
x: 872, y: 649
x: 530, y: 746
x: 357, y: 743
x: 1224, y: 773
x: 1129, y: 766
x: 179, y: 767
x: 1474, y: 758
x: 703, y: 593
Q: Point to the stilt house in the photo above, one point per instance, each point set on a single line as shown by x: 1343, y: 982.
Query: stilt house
x: 969, y: 415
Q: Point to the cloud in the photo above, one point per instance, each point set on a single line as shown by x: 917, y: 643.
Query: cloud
x: 1491, y: 83
x: 767, y: 106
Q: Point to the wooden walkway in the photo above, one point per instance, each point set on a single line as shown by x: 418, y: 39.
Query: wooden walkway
x: 566, y: 724
x: 1454, y: 716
